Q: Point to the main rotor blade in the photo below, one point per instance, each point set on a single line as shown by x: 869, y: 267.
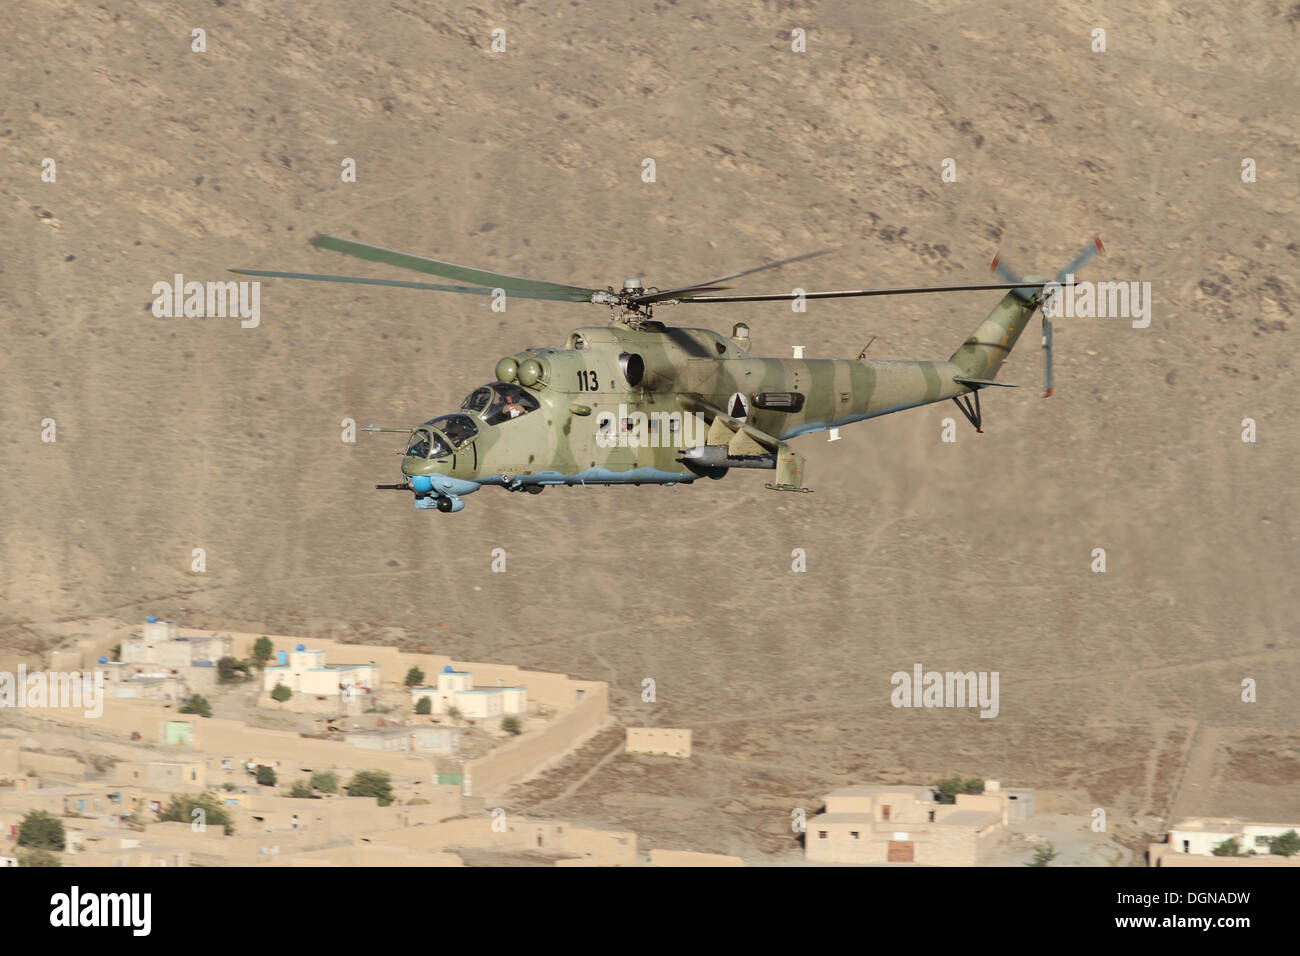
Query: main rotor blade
x: 448, y: 270
x: 697, y: 286
x: 403, y: 284
x: 787, y: 296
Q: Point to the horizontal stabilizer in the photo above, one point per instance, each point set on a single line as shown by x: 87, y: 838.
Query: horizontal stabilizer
x: 978, y: 383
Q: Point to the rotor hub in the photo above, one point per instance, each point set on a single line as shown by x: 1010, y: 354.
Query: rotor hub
x: 624, y: 301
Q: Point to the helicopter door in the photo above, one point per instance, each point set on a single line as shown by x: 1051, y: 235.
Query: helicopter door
x: 465, y: 457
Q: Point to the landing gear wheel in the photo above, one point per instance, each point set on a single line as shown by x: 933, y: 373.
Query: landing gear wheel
x: 534, y: 489
x: 444, y: 504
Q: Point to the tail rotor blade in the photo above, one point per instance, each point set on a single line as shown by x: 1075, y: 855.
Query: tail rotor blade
x: 1000, y: 268
x: 1090, y: 250
x: 1047, y: 356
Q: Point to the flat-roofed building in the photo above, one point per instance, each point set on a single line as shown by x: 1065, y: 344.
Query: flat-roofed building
x: 1019, y: 803
x: 457, y: 689
x: 129, y: 682
x: 886, y: 803
x: 165, y: 775
x: 1199, y: 836
x: 443, y: 740
x: 162, y: 663
x: 162, y: 644
x: 104, y: 853
x: 318, y: 685
x: 907, y: 824
x: 662, y: 741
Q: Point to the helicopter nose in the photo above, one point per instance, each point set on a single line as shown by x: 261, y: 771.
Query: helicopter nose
x: 414, y: 467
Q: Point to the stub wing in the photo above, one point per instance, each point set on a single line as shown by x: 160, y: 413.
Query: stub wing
x: 694, y: 403
x: 734, y: 443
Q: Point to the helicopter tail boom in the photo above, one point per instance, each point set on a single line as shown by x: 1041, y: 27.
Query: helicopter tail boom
x: 981, y: 355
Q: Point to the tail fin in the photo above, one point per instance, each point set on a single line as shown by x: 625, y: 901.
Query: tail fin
x: 981, y: 355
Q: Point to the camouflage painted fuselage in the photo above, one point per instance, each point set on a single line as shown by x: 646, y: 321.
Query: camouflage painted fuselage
x: 749, y: 407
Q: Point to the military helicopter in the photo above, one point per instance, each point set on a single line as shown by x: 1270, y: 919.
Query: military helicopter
x: 641, y: 402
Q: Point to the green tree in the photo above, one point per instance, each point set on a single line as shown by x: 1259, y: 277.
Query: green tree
x: 1286, y: 844
x: 182, y: 806
x: 281, y: 693
x: 1043, y: 856
x: 424, y: 705
x: 371, y: 783
x: 1228, y: 847
x: 950, y: 787
x: 226, y: 670
x: 301, y: 788
x: 511, y: 725
x: 230, y: 670
x: 266, y: 775
x: 41, y: 831
x: 414, y: 677
x: 326, y: 781
x: 453, y: 712
x: 198, y: 704
x: 116, y: 653
x: 38, y: 858
x: 262, y: 650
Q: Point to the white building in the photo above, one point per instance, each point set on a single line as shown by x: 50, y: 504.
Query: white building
x: 1199, y: 836
x: 308, y: 675
x: 456, y: 689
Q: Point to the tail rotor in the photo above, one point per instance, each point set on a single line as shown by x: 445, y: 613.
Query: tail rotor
x: 1062, y: 278
x: 1047, y: 356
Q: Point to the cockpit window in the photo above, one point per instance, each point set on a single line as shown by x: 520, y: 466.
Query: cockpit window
x: 426, y: 444
x: 508, y: 401
x: 478, y: 400
x: 458, y: 428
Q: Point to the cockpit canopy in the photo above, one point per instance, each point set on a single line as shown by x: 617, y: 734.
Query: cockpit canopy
x: 439, y: 437
x: 426, y: 444
x: 458, y: 428
x: 492, y: 404
x: 499, y: 402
